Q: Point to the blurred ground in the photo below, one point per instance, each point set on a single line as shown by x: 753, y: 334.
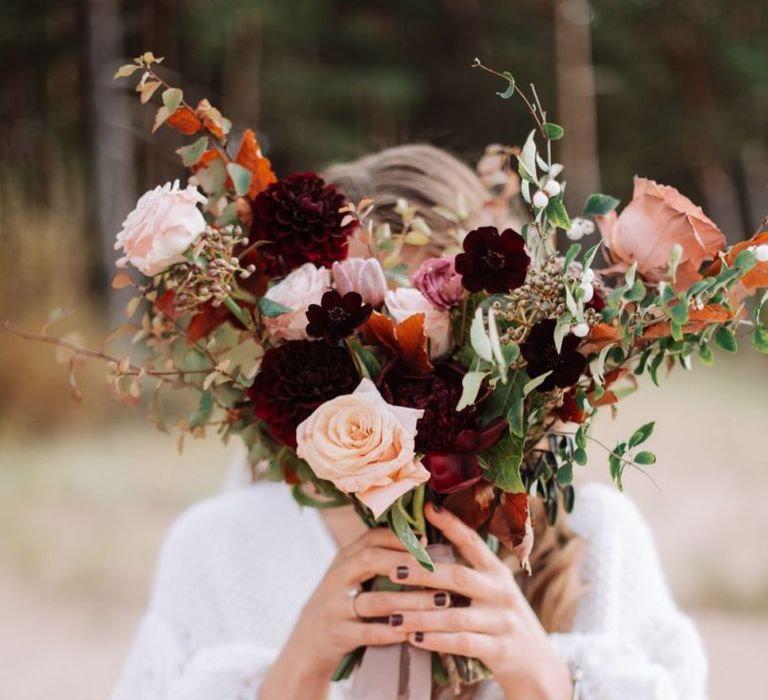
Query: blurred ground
x: 83, y: 516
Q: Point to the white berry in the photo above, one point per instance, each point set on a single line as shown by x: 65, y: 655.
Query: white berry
x: 581, y: 330
x: 588, y: 226
x: 588, y: 276
x: 589, y: 291
x: 540, y: 200
x: 575, y: 233
x: 761, y: 253
x: 552, y: 188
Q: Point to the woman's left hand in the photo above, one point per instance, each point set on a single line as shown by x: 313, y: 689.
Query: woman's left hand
x: 499, y: 627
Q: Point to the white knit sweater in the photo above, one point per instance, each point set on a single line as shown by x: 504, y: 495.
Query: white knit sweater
x: 236, y: 569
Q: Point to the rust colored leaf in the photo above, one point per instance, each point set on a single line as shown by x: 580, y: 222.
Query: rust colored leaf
x: 600, y: 335
x: 207, y: 319
x: 249, y: 156
x: 511, y: 524
x: 166, y: 304
x: 472, y: 505
x: 185, y: 121
x: 212, y: 119
x: 407, y: 339
x: 699, y: 319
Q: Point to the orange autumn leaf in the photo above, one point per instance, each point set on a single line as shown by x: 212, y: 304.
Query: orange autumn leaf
x: 757, y: 277
x: 407, y: 339
x: 472, y: 505
x: 185, y: 121
x: 166, y: 304
x: 511, y: 525
x: 698, y: 320
x: 206, y: 159
x: 570, y: 412
x: 249, y: 156
x: 212, y: 119
x: 600, y: 335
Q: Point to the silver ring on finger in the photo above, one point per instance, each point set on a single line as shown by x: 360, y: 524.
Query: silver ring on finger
x: 352, y: 593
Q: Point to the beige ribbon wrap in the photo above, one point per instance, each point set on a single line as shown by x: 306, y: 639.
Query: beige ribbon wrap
x: 398, y: 671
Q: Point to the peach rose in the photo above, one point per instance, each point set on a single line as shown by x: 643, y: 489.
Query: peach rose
x: 361, y: 275
x: 363, y: 445
x: 405, y: 302
x: 302, y: 287
x: 165, y: 222
x: 657, y: 218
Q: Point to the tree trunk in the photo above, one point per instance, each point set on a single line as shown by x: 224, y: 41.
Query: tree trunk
x: 112, y: 149
x: 576, y: 100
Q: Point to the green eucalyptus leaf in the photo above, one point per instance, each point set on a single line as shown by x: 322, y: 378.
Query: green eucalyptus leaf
x: 399, y: 525
x: 599, y: 205
x: 641, y: 434
x: 241, y: 178
x: 725, y: 339
x: 706, y: 355
x: 527, y: 158
x: 510, y: 91
x: 760, y: 339
x: 191, y: 155
x: 558, y: 214
x: 272, y: 309
x: 471, y: 383
x: 572, y: 253
x: 553, y: 131
x: 589, y: 256
x: 645, y: 457
x: 580, y: 456
x: 172, y: 98
x: 535, y: 382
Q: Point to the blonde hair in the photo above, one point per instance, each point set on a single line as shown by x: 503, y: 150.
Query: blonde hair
x: 429, y: 177
x: 426, y: 177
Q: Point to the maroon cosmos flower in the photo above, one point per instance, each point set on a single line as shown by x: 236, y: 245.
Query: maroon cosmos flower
x: 300, y: 216
x: 336, y: 316
x: 494, y: 262
x: 541, y: 355
x: 448, y: 439
x: 294, y: 379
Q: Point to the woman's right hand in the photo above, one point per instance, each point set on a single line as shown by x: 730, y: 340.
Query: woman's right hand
x: 332, y: 622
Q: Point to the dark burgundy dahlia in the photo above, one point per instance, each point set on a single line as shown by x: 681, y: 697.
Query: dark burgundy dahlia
x: 492, y: 261
x: 300, y: 217
x: 448, y: 439
x: 336, y: 316
x: 294, y: 379
x: 541, y: 354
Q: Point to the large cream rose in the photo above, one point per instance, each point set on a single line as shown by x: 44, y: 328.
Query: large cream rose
x: 363, y: 445
x: 302, y: 287
x: 405, y: 302
x: 165, y: 222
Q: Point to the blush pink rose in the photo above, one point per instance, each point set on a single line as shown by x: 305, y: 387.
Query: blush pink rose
x: 405, y: 302
x: 361, y: 275
x: 302, y: 287
x: 364, y: 446
x: 439, y: 282
x: 657, y: 218
x: 164, y: 224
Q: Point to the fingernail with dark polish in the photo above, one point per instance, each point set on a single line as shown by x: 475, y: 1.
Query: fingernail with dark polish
x: 436, y: 507
x: 402, y: 572
x: 418, y: 637
x: 441, y: 599
x: 395, y: 619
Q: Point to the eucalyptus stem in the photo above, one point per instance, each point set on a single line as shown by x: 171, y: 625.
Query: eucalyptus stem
x: 241, y: 315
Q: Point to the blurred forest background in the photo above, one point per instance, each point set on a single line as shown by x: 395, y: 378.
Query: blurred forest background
x: 675, y: 90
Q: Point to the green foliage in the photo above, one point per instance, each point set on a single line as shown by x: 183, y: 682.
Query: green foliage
x: 760, y: 339
x: 272, y: 309
x: 725, y: 339
x: 554, y: 131
x: 398, y: 522
x: 599, y: 205
x: 502, y: 463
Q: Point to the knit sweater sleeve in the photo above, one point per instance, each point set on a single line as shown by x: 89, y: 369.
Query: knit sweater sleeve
x: 629, y: 639
x: 180, y: 652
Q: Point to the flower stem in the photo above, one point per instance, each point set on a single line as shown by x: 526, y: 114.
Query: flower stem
x: 239, y: 313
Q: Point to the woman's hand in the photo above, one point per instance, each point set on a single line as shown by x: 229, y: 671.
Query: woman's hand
x: 499, y: 627
x: 332, y: 622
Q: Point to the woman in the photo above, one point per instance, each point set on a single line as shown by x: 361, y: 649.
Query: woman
x: 257, y: 598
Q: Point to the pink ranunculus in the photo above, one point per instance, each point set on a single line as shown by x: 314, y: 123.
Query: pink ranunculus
x: 657, y: 218
x: 405, y: 302
x: 164, y: 224
x: 364, y: 446
x: 439, y: 282
x: 361, y: 275
x: 302, y: 287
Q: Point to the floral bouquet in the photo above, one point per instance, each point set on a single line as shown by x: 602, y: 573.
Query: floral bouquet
x: 471, y: 383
